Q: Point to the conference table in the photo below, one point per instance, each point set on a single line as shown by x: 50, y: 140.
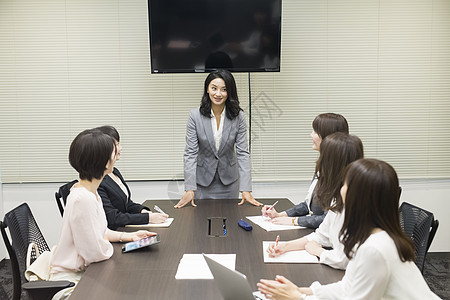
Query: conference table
x: 149, y: 273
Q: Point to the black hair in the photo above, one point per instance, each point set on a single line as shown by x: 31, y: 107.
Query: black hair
x: 232, y: 102
x: 110, y: 130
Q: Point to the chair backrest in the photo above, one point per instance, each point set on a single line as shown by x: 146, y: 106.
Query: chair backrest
x: 417, y: 224
x: 61, y: 195
x: 434, y: 227
x: 23, y: 230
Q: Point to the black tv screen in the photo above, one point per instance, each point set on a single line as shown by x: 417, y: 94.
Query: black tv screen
x: 204, y: 35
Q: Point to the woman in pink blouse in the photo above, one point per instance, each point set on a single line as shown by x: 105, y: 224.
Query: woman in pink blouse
x: 85, y: 238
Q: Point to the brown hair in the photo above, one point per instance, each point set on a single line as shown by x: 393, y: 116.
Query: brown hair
x: 328, y: 123
x: 89, y: 153
x: 372, y: 202
x: 337, y: 151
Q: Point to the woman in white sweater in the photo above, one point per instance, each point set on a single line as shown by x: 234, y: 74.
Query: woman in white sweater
x: 85, y: 238
x: 381, y: 256
x: 337, y: 151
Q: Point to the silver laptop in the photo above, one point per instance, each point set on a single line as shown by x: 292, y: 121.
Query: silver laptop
x: 231, y: 284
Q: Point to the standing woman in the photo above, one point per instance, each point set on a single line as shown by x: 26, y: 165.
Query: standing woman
x: 216, y: 157
x: 310, y: 213
x: 381, y: 255
x: 85, y: 238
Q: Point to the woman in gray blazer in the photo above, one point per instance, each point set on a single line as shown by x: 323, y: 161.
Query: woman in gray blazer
x: 216, y: 157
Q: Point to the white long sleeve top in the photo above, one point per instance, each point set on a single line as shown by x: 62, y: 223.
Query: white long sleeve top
x: 82, y: 239
x: 327, y: 234
x: 376, y: 272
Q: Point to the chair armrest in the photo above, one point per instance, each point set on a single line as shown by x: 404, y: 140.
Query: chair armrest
x: 41, y: 289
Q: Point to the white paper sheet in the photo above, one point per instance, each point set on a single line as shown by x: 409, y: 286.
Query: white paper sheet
x: 265, y: 224
x: 165, y: 224
x: 300, y: 256
x: 194, y: 266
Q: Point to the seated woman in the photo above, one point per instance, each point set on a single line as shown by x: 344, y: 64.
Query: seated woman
x: 116, y: 196
x: 85, y: 238
x: 337, y: 151
x: 381, y: 256
x: 310, y: 213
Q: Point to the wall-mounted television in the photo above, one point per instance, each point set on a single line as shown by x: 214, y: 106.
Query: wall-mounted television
x: 204, y: 35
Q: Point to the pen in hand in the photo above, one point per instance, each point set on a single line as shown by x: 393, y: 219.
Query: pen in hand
x: 276, y: 241
x: 270, y: 207
x: 158, y: 209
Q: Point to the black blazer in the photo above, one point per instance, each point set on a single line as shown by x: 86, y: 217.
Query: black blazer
x: 119, y: 209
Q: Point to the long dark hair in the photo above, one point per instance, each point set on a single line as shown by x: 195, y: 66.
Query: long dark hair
x: 372, y: 202
x: 232, y: 102
x: 328, y: 123
x: 336, y: 151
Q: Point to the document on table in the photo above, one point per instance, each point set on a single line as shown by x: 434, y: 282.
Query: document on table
x: 194, y: 266
x: 299, y: 256
x: 265, y: 224
x: 165, y: 224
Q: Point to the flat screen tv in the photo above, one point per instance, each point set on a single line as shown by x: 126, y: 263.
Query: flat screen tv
x: 204, y: 35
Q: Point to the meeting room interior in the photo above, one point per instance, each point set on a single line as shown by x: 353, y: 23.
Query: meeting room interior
x: 67, y: 66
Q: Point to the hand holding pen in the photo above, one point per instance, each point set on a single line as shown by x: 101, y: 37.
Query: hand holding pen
x: 159, y: 217
x: 276, y: 249
x: 269, y: 211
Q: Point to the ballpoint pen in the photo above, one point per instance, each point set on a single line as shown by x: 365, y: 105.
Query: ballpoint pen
x: 272, y: 206
x: 158, y: 209
x: 276, y: 241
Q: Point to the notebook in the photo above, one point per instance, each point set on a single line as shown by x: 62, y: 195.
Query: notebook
x: 231, y: 284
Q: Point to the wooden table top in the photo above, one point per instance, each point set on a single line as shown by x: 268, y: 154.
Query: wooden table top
x: 149, y: 273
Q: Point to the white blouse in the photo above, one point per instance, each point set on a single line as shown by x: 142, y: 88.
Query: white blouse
x: 376, y: 272
x: 327, y: 234
x: 217, y: 132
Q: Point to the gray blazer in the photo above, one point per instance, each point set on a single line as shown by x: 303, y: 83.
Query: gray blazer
x: 201, y: 159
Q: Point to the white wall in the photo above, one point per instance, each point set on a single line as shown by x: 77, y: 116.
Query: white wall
x: 429, y: 194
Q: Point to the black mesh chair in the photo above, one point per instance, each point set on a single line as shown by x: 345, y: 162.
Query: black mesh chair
x: 61, y: 195
x: 24, y: 230
x: 421, y: 227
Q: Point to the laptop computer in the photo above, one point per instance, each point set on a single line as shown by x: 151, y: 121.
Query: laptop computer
x: 231, y: 283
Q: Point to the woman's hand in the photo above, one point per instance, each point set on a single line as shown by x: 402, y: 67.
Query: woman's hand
x: 247, y: 196
x: 283, y: 221
x: 314, y: 248
x: 275, y: 250
x: 157, y: 218
x: 279, y: 289
x: 137, y: 235
x: 187, y: 197
x: 271, y: 213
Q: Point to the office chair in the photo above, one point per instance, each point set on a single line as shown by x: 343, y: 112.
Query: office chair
x: 61, y: 195
x: 24, y: 230
x: 421, y: 227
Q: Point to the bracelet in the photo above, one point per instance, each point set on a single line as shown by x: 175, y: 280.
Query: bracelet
x: 293, y: 220
x: 120, y: 238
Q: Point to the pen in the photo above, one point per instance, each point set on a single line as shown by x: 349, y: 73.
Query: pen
x: 276, y: 241
x: 158, y: 209
x: 273, y: 205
